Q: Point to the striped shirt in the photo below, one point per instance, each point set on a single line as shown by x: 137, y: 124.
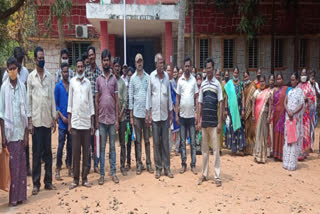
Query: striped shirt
x: 138, y: 94
x: 210, y: 94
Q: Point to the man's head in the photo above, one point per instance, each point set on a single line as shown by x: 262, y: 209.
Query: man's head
x: 204, y: 73
x: 18, y: 53
x: 80, y: 67
x: 12, y: 68
x: 64, y: 54
x: 105, y: 59
x: 85, y: 59
x: 209, y: 68
x: 92, y: 55
x: 65, y: 71
x: 158, y: 59
x: 218, y: 75
x: 117, y: 67
x: 169, y: 71
x: 39, y: 57
x: 124, y: 69
x: 139, y: 62
x: 187, y: 66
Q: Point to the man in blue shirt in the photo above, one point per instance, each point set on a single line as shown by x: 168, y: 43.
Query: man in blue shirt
x: 61, y: 97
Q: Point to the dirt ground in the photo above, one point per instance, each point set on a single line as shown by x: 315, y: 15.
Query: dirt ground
x: 247, y: 187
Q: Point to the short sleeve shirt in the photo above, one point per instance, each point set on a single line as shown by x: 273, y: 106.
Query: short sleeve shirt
x: 210, y: 95
x: 187, y: 89
x: 107, y: 88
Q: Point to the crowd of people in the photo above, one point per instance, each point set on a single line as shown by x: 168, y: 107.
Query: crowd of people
x: 208, y: 110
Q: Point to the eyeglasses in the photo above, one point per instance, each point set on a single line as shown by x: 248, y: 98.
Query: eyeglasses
x: 12, y: 69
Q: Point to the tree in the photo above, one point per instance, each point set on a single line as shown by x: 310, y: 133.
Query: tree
x: 182, y: 17
x: 59, y: 9
x: 6, y: 12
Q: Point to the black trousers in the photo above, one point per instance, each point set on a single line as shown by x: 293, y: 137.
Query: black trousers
x: 41, y: 147
x: 80, y: 140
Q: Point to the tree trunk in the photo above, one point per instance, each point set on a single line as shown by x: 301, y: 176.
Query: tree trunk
x: 192, y: 34
x: 182, y: 17
x: 62, y: 40
x: 272, y: 39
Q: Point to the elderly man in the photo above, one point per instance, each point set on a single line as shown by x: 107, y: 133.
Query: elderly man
x: 159, y: 110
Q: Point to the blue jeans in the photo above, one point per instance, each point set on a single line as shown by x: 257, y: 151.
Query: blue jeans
x: 105, y: 131
x: 185, y: 125
x: 62, y: 139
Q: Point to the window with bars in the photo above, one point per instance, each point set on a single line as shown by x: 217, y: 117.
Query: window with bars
x: 187, y: 49
x: 76, y: 50
x: 253, y: 53
x: 303, y: 53
x: 278, y: 53
x: 204, y: 52
x: 228, y: 53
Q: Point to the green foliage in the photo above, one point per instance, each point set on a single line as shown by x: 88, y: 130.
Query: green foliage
x: 251, y: 20
x: 59, y: 9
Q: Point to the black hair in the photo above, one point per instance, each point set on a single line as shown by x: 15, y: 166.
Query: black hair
x: 237, y: 69
x: 105, y: 53
x: 84, y: 56
x: 280, y: 74
x: 296, y: 75
x: 91, y: 48
x: 130, y: 69
x: 210, y: 60
x: 64, y: 51
x: 262, y: 77
x: 187, y: 59
x: 175, y: 67
x: 64, y: 65
x: 79, y: 60
x: 36, y: 50
x: 247, y: 72
x: 116, y: 60
x: 271, y: 75
x: 313, y: 72
x: 18, y: 53
x: 199, y: 74
x: 12, y: 60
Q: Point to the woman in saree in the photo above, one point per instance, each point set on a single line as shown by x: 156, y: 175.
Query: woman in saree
x: 234, y: 110
x: 313, y: 109
x: 250, y: 130
x: 309, y: 102
x: 261, y: 111
x: 294, y: 104
x: 278, y: 115
x: 270, y: 135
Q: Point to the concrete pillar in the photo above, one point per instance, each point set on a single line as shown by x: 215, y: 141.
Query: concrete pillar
x: 104, y: 37
x: 168, y: 38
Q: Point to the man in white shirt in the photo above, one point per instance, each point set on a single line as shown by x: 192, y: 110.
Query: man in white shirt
x: 187, y: 93
x: 159, y: 113
x: 81, y: 123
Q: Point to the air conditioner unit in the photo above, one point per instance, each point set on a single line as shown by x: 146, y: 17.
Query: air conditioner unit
x: 81, y: 31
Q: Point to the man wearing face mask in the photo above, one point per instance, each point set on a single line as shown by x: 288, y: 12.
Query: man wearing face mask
x: 92, y: 72
x: 204, y: 74
x: 14, y: 131
x: 64, y: 54
x: 42, y: 120
x: 187, y: 94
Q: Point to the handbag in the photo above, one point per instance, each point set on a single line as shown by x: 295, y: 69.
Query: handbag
x: 5, y: 178
x: 291, y: 131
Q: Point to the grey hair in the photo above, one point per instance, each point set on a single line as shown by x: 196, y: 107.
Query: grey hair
x: 157, y: 56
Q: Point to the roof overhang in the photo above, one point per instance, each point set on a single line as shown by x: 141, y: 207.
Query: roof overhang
x: 141, y: 20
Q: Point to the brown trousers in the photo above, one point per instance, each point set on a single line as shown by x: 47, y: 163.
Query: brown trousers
x: 80, y: 138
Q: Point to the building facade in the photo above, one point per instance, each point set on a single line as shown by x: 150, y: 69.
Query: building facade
x: 152, y: 26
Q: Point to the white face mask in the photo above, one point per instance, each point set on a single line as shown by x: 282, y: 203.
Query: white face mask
x: 80, y: 76
x: 64, y: 61
x: 303, y: 78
